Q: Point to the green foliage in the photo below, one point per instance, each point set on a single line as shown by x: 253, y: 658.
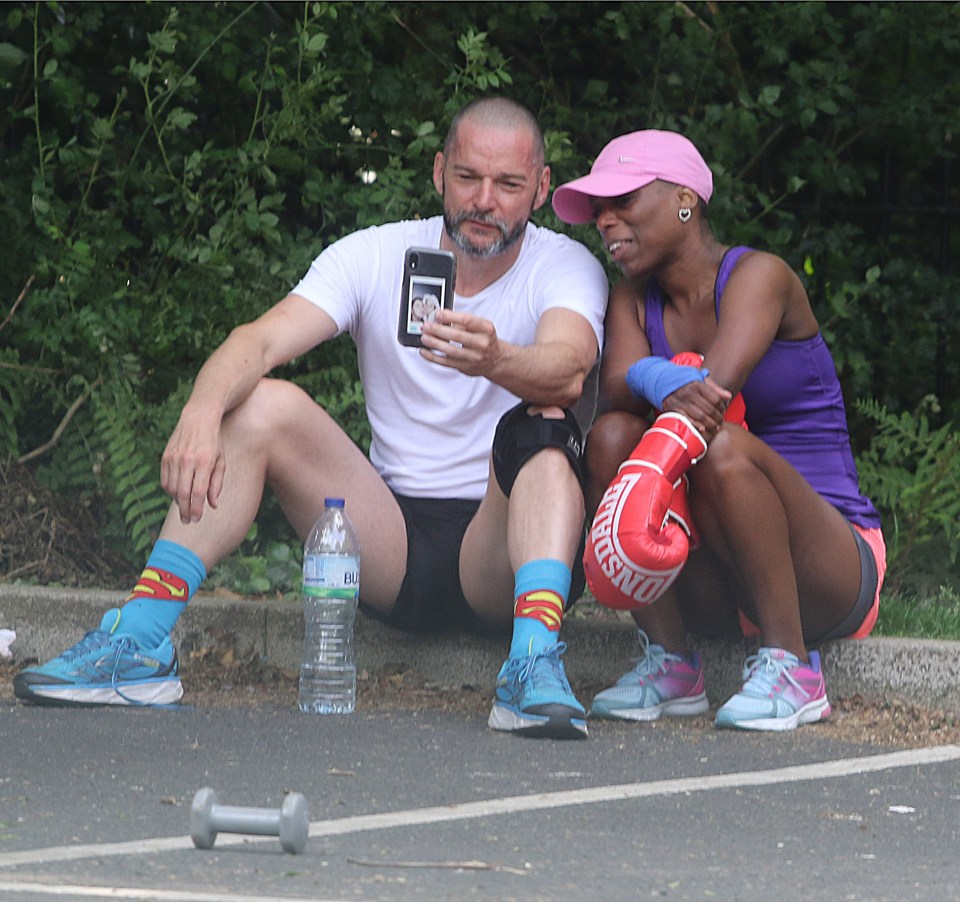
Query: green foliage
x: 170, y: 171
x: 933, y: 615
x: 129, y: 463
x: 260, y: 568
x: 912, y: 473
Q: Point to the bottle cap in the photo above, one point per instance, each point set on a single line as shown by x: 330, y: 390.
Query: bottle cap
x: 333, y: 502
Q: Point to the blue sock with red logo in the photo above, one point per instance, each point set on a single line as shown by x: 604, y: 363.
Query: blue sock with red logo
x: 171, y: 578
x: 540, y: 594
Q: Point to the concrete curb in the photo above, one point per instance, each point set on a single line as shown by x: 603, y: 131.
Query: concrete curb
x: 49, y: 620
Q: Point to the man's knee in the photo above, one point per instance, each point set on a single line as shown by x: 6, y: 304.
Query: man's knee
x: 521, y: 435
x: 272, y: 403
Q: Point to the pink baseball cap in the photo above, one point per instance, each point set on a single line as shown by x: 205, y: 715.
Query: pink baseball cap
x: 630, y: 162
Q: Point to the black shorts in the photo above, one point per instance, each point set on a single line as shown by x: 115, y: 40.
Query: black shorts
x: 431, y: 599
x: 869, y: 577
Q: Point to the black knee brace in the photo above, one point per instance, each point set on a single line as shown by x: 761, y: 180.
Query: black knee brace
x: 519, y: 436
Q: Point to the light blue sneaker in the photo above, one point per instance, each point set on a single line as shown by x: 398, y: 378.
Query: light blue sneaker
x: 534, y: 698
x: 780, y: 693
x: 660, y: 683
x: 104, y: 668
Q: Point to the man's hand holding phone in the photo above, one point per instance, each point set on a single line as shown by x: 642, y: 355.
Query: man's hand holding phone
x: 462, y: 342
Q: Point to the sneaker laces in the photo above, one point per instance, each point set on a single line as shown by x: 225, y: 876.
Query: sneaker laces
x: 653, y: 658
x: 123, y: 643
x: 549, y: 676
x: 90, y: 642
x: 762, y: 672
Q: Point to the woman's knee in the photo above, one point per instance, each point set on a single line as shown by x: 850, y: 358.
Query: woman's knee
x: 727, y: 463
x: 611, y: 438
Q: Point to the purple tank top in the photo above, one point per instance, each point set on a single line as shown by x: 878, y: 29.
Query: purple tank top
x: 794, y: 403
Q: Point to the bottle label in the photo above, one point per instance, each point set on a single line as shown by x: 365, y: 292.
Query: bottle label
x: 331, y: 576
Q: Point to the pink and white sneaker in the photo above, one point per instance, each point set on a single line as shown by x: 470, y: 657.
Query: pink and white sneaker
x: 659, y: 683
x: 780, y: 693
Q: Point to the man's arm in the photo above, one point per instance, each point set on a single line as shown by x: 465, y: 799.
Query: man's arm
x: 549, y: 371
x: 192, y: 466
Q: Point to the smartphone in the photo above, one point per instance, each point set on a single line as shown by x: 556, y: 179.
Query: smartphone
x: 429, y: 278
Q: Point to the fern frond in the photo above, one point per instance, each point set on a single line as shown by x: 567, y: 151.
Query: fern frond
x: 131, y: 463
x: 912, y: 472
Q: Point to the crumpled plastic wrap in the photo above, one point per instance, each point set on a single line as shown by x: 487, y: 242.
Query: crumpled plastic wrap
x: 7, y: 638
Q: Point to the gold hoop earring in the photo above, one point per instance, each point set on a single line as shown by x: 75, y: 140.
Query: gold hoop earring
x: 684, y: 213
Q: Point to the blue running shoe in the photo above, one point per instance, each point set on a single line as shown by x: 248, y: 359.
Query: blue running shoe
x: 534, y: 698
x: 104, y: 668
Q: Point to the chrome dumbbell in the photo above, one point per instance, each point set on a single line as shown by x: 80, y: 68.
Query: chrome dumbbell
x: 291, y: 822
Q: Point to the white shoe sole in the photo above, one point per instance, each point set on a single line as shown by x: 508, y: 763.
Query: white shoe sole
x: 818, y: 709
x: 155, y: 692
x: 679, y: 707
x: 561, y: 727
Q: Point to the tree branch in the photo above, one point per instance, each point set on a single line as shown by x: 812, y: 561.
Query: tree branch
x: 18, y: 301
x: 67, y: 417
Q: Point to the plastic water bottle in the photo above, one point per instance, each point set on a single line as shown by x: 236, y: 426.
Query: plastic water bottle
x: 331, y: 588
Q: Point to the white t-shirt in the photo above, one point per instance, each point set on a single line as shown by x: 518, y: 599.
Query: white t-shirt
x: 433, y: 426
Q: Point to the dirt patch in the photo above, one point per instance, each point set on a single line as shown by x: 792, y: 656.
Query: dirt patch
x: 53, y: 541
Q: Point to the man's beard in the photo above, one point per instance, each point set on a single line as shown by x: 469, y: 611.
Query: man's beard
x: 508, y: 237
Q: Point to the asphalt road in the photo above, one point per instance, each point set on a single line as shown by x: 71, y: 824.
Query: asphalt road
x: 430, y: 805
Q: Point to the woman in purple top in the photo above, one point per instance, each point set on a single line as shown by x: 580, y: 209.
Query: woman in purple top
x: 781, y: 541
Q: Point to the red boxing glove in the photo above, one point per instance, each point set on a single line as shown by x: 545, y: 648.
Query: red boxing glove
x: 679, y: 511
x: 635, y: 549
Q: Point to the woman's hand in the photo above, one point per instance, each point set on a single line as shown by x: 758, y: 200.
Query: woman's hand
x: 704, y: 403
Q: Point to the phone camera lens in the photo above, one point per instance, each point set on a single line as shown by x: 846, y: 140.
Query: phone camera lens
x: 414, y: 260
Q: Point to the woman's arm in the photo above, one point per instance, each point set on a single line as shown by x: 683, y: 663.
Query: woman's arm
x: 625, y: 342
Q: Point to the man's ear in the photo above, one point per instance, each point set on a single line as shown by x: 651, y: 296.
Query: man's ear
x: 543, y: 188
x: 438, y: 172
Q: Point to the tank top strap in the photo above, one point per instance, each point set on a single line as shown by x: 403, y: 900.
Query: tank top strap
x: 653, y: 321
x: 729, y: 261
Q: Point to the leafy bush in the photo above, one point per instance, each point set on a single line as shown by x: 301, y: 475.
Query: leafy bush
x: 171, y: 171
x: 912, y: 473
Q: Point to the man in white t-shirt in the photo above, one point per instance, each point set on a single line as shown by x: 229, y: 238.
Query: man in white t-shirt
x: 470, y: 509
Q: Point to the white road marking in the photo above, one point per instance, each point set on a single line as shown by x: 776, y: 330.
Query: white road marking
x: 146, y: 895
x: 826, y: 770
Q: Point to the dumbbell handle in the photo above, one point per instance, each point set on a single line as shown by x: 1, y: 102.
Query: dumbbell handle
x: 236, y: 819
x: 291, y: 822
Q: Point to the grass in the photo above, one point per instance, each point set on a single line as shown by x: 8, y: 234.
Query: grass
x: 934, y: 616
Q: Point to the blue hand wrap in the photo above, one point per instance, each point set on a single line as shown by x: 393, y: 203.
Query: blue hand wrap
x: 653, y: 379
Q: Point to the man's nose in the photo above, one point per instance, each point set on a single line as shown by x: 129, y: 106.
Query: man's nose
x: 486, y: 194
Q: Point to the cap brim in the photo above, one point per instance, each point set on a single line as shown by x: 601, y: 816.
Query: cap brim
x: 573, y: 202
